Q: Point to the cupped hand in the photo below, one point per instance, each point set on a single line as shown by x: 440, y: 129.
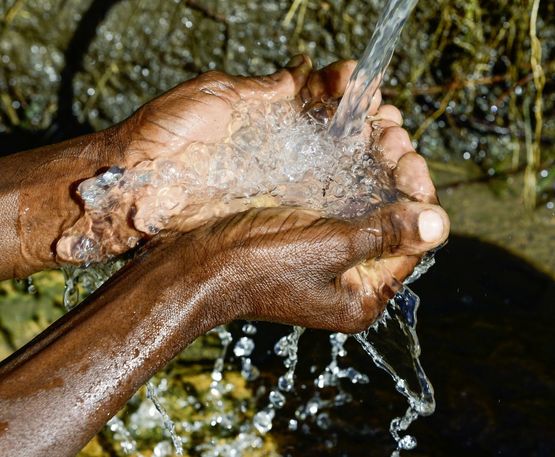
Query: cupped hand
x: 201, y: 109
x: 293, y: 266
x: 197, y: 111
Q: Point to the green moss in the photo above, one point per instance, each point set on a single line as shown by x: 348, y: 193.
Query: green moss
x: 24, y: 315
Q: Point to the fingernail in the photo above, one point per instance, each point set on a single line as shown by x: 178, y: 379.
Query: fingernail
x: 295, y: 61
x: 430, y: 226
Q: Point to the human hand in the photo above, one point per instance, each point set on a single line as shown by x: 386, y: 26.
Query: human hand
x: 197, y: 111
x: 293, y: 266
x: 201, y: 110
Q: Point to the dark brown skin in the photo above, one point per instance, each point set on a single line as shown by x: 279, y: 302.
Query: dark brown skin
x: 276, y: 264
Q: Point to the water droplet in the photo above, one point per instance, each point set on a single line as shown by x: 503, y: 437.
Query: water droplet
x: 243, y: 347
x: 323, y: 421
x: 249, y: 329
x: 262, y: 421
x: 407, y: 443
x: 277, y: 399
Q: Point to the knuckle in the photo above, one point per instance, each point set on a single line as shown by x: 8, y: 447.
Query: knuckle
x: 264, y: 81
x: 419, y: 161
x: 214, y: 75
x: 391, y: 232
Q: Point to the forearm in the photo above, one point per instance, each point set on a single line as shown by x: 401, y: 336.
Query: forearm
x: 58, y: 391
x: 36, y: 196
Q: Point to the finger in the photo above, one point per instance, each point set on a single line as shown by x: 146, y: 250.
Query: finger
x: 413, y: 178
x: 389, y: 113
x: 407, y: 228
x: 331, y: 81
x: 282, y: 85
x: 375, y: 103
x: 386, y: 116
x: 395, y: 142
x: 400, y: 267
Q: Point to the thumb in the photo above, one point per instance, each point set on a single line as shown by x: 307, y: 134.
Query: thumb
x: 282, y: 85
x: 407, y: 228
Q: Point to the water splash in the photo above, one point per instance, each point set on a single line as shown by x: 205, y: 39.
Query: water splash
x: 169, y: 424
x: 243, y: 349
x: 277, y: 156
x: 286, y: 347
x: 315, y: 409
x: 79, y: 282
x: 401, y: 312
x: 289, y: 159
x: 122, y: 435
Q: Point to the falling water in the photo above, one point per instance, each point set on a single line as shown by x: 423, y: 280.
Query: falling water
x: 349, y: 119
x: 368, y: 74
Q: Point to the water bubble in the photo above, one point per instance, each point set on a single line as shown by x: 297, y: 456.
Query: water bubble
x: 323, y: 421
x: 281, y: 347
x: 249, y: 329
x: 163, y: 449
x: 275, y: 151
x: 285, y: 382
x: 248, y: 370
x: 31, y: 289
x: 312, y: 407
x: 356, y: 377
x: 342, y: 398
x: 217, y: 376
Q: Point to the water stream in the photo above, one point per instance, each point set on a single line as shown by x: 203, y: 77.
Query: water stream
x: 368, y: 74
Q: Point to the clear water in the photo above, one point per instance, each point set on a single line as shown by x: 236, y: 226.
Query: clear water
x: 368, y: 74
x: 277, y: 157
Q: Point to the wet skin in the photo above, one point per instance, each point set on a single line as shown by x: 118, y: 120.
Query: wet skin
x: 277, y: 264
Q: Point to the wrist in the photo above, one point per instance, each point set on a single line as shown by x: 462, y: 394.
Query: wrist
x: 47, y: 178
x: 209, y: 281
x: 131, y: 145
x: 112, y: 144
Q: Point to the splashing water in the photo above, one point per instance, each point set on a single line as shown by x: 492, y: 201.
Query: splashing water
x: 348, y: 120
x: 82, y: 281
x: 122, y: 435
x: 402, y: 310
x: 277, y: 156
